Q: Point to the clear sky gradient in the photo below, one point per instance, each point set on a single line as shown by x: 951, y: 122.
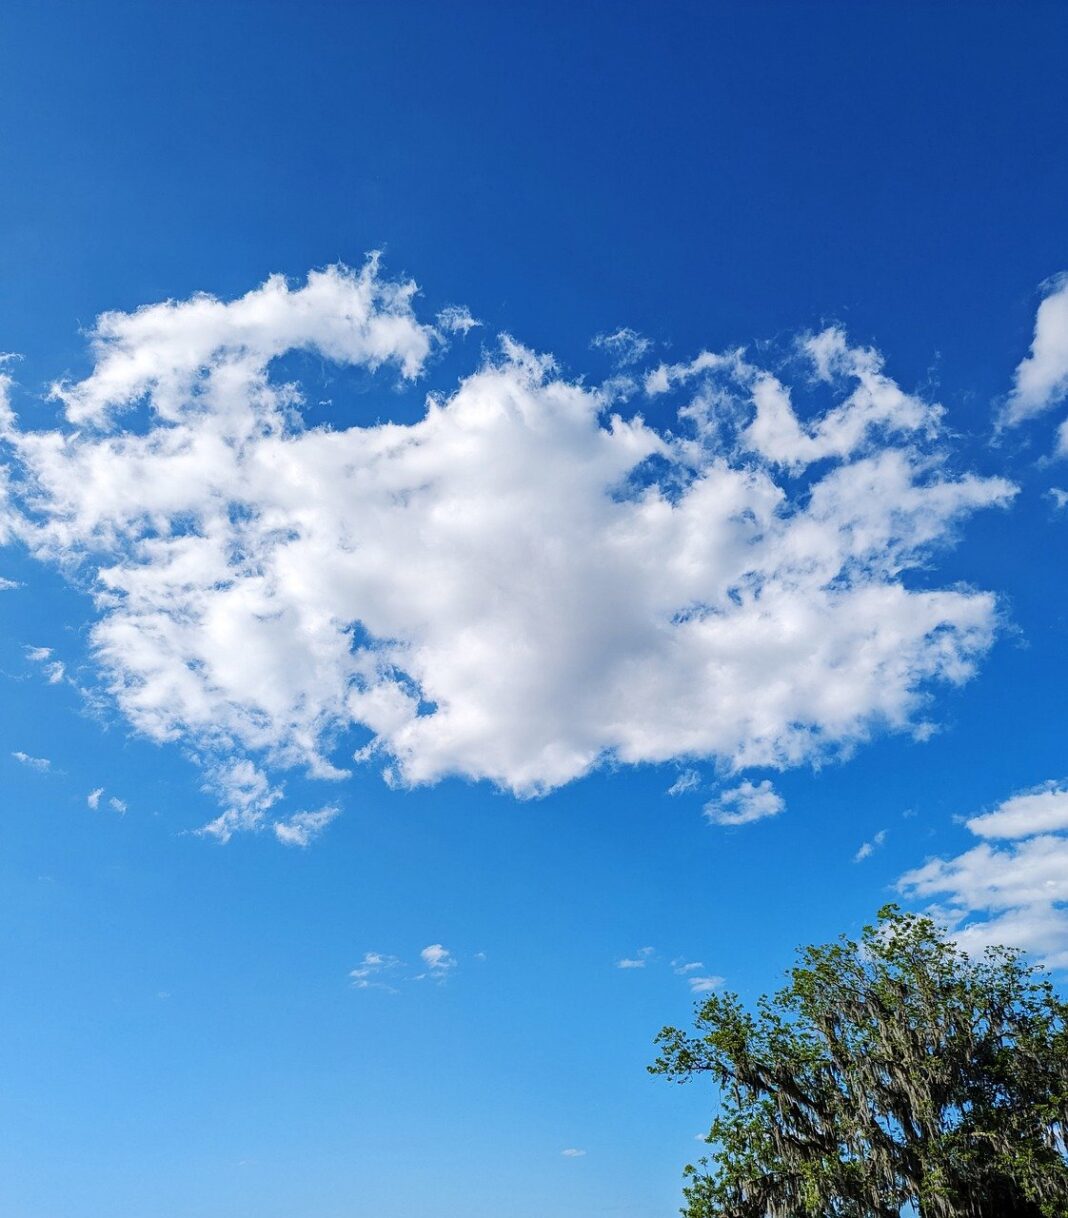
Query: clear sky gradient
x: 420, y: 1005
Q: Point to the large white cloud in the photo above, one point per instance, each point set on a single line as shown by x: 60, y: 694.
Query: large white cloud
x: 516, y: 587
x: 1041, y: 380
x: 1015, y: 893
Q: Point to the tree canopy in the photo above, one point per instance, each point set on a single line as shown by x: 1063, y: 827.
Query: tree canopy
x: 889, y: 1072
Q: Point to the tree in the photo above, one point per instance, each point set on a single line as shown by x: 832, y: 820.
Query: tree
x: 889, y: 1072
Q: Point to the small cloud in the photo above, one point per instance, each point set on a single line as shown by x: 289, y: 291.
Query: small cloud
x: 8, y: 585
x: 869, y: 848
x: 54, y: 669
x: 93, y: 798
x: 245, y: 793
x: 438, y: 960
x: 302, y: 828
x: 117, y: 805
x: 705, y: 984
x: 573, y: 1152
x: 625, y: 346
x: 1058, y: 497
x: 688, y: 780
x: 41, y: 764
x: 456, y: 319
x: 744, y: 804
x: 637, y: 961
x: 1041, y: 379
x: 369, y: 974
x: 682, y: 967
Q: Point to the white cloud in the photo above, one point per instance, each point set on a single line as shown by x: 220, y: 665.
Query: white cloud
x: 1026, y: 814
x: 1041, y: 380
x: 867, y: 849
x: 117, y: 805
x: 704, y: 984
x: 514, y: 587
x: 438, y: 960
x: 41, y: 764
x: 246, y: 794
x: 456, y: 319
x: 1015, y: 894
x: 626, y: 346
x: 370, y: 973
x: 55, y: 670
x: 204, y: 353
x: 682, y: 967
x: 637, y: 961
x: 1059, y: 497
x: 302, y: 828
x: 572, y: 1152
x: 8, y: 585
x: 688, y: 780
x: 745, y: 803
x: 93, y: 798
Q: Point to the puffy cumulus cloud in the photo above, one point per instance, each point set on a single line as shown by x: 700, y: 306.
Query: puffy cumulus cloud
x: 518, y: 586
x: 208, y: 353
x: 1041, y: 380
x: 1015, y: 893
x: 1038, y: 811
x: 745, y: 803
x: 439, y: 962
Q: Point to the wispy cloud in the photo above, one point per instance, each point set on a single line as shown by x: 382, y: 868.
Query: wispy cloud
x: 93, y: 798
x: 8, y: 585
x: 55, y: 670
x: 637, y: 961
x: 378, y: 970
x: 867, y: 849
x: 302, y: 828
x: 41, y: 764
x: 373, y: 970
x: 704, y: 984
x: 573, y: 1152
x: 626, y: 346
x: 456, y: 319
x: 682, y: 967
x: 688, y: 780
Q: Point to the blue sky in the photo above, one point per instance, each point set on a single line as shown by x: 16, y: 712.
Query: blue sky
x: 785, y: 583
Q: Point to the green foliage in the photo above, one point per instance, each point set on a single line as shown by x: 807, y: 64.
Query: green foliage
x: 889, y: 1071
